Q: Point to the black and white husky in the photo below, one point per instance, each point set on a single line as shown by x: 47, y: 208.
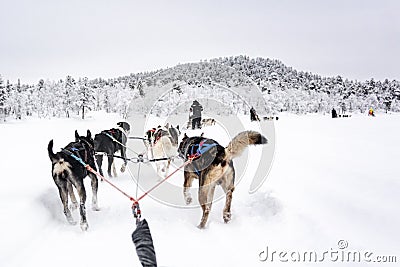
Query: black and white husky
x: 67, y: 171
x: 164, y: 144
x: 213, y: 166
x: 108, y: 142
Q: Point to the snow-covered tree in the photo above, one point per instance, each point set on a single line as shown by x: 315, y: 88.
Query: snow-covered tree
x: 86, y: 96
x: 3, y: 97
x: 284, y: 89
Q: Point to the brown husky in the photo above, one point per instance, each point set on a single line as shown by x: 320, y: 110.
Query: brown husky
x: 213, y: 166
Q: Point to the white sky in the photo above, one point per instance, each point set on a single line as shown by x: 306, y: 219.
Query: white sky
x: 358, y: 39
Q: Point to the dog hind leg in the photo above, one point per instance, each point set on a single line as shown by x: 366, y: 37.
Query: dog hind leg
x: 99, y: 161
x: 82, y: 196
x: 206, y: 195
x: 227, y: 184
x: 114, y: 169
x: 74, y: 204
x: 160, y: 168
x: 110, y: 165
x: 228, y: 188
x: 95, y: 185
x: 63, y: 191
x: 123, y: 154
x: 208, y: 181
x: 166, y: 168
x: 187, y: 184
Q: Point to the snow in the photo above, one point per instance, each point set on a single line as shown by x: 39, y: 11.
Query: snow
x: 331, y: 180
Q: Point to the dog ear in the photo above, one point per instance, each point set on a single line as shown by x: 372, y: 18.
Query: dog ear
x: 76, y: 135
x: 185, y: 136
x: 89, y: 134
x: 177, y: 126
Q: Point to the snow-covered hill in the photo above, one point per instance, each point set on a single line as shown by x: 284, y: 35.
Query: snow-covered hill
x: 283, y: 88
x: 331, y: 180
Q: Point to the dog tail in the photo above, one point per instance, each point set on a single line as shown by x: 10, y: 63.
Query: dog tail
x: 241, y: 141
x: 52, y: 156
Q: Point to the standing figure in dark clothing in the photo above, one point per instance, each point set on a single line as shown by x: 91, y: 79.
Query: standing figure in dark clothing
x: 253, y: 115
x: 334, y: 113
x: 196, y: 109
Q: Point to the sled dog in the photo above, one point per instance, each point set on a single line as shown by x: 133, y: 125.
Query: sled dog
x: 208, y: 122
x: 67, y: 171
x: 164, y: 145
x: 213, y: 166
x: 104, y: 144
x: 271, y: 118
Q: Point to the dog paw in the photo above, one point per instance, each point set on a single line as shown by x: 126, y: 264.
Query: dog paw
x: 84, y: 226
x: 201, y: 226
x: 95, y: 208
x: 188, y: 200
x: 123, y: 168
x: 71, y: 220
x: 227, y: 217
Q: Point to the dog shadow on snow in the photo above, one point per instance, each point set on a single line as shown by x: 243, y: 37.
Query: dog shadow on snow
x: 51, y: 202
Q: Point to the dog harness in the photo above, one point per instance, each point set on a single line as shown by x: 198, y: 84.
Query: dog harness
x: 202, y: 148
x: 110, y: 133
x: 157, y: 134
x: 74, y: 151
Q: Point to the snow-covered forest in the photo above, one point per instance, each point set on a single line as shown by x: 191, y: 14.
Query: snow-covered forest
x: 284, y: 89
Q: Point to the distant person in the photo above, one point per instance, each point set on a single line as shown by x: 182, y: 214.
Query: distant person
x: 334, y: 113
x: 253, y: 115
x: 371, y: 112
x: 343, y: 108
x: 196, y: 110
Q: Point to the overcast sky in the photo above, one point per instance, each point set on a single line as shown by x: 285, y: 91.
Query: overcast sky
x: 358, y: 39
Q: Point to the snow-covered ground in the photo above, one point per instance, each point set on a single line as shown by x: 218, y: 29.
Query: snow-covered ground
x: 332, y: 180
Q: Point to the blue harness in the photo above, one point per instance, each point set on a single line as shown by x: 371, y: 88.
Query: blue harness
x: 201, y: 149
x: 71, y: 151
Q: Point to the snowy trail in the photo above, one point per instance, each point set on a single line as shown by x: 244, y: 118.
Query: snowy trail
x: 331, y: 180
